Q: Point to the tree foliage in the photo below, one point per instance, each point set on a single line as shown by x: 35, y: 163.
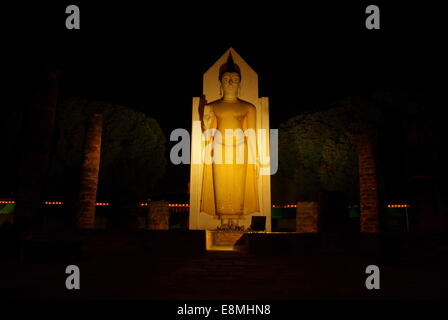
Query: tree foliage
x: 132, y: 151
x: 318, y: 151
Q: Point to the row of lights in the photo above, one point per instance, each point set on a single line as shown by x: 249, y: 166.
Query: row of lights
x: 389, y: 206
x: 179, y: 205
x: 102, y: 204
x: 54, y: 203
x: 174, y: 205
x: 99, y: 204
x: 7, y: 201
x: 285, y: 206
x: 183, y: 205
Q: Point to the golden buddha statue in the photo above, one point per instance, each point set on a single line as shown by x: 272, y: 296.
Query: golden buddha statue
x: 229, y: 188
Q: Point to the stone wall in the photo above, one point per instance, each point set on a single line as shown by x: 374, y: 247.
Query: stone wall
x: 307, y: 217
x: 368, y: 185
x: 158, y: 216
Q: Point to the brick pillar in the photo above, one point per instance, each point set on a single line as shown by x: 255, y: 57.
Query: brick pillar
x: 158, y: 216
x: 368, y: 186
x: 36, y: 148
x: 89, y: 173
x: 307, y: 217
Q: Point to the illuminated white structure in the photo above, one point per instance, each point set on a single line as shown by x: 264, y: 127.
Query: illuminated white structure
x: 248, y: 92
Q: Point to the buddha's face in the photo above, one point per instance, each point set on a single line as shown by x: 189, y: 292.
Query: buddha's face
x: 230, y: 83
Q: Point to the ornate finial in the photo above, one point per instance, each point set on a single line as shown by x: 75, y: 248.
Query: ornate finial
x: 229, y: 66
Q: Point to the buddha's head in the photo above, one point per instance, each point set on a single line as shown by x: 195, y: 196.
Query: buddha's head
x: 230, y: 83
x: 230, y: 78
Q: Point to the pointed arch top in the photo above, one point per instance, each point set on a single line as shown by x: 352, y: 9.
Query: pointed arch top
x: 249, y: 79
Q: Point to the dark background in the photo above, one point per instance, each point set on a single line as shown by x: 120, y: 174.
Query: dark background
x: 151, y: 56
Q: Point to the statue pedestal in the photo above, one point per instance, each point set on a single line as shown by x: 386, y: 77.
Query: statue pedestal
x: 223, y: 240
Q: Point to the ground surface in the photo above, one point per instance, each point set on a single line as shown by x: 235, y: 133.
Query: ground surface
x: 222, y: 275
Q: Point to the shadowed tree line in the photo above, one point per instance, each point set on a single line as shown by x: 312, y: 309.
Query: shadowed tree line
x: 132, y: 152
x: 318, y: 151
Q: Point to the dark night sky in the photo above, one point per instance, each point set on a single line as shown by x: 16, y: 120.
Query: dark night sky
x: 151, y: 57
